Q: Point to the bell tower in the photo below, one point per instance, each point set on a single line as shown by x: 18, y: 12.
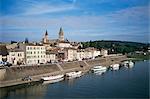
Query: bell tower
x: 45, y: 39
x: 61, y: 34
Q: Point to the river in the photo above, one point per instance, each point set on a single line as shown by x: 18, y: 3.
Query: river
x: 124, y: 83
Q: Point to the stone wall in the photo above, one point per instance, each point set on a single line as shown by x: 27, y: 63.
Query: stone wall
x: 2, y: 74
x: 20, y: 72
x: 14, y: 73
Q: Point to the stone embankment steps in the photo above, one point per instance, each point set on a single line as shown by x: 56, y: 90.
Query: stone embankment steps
x: 61, y: 69
x: 13, y: 75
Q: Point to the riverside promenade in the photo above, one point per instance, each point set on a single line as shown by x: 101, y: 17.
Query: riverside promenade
x: 10, y: 76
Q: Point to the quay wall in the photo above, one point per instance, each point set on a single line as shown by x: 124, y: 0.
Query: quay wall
x: 2, y: 74
x: 12, y: 74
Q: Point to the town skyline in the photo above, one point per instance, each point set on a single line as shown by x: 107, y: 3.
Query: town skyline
x: 91, y: 20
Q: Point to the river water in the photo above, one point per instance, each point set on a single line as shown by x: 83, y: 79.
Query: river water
x: 124, y: 83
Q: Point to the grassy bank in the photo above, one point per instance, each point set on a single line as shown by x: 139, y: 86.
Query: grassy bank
x: 139, y: 57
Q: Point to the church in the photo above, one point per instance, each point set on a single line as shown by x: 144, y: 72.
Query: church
x: 60, y: 39
x: 63, y: 49
x: 60, y: 42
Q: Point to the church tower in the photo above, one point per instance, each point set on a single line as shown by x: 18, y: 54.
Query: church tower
x: 45, y: 39
x: 61, y: 34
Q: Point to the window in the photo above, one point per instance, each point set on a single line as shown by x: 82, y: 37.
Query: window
x: 28, y: 56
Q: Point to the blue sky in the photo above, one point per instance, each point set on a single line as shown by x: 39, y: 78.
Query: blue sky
x: 82, y: 20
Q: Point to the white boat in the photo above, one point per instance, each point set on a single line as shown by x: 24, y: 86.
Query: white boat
x: 52, y: 81
x: 99, y: 72
x: 125, y: 63
x: 74, y: 74
x: 130, y: 64
x: 99, y: 68
x: 52, y: 77
x: 115, y: 66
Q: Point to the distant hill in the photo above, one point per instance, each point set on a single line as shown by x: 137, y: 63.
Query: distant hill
x: 117, y: 46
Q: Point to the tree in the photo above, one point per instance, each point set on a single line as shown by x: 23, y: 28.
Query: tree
x: 13, y: 42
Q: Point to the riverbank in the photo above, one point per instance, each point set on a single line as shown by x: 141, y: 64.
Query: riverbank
x: 138, y: 57
x: 13, y: 75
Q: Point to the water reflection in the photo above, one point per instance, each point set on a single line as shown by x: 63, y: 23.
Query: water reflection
x: 28, y: 91
x: 124, y: 83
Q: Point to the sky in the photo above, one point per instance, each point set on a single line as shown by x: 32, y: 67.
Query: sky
x: 81, y: 20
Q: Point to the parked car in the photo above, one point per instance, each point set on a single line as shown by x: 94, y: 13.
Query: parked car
x: 1, y: 63
x: 7, y: 64
x: 41, y: 63
x: 27, y: 78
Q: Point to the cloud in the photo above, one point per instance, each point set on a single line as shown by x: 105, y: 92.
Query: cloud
x: 119, y: 18
x: 45, y: 8
x: 38, y: 16
x: 136, y: 13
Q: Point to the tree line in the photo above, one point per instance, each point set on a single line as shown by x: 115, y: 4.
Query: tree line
x: 117, y: 46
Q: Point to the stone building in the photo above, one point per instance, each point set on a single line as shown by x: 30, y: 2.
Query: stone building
x: 104, y: 52
x: 16, y: 57
x: 60, y: 42
x: 61, y: 35
x: 45, y: 39
x: 80, y: 54
x: 70, y: 54
x: 50, y: 56
x: 35, y: 54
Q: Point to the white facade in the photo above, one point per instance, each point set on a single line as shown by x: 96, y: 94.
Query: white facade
x: 50, y: 57
x: 35, y: 54
x: 80, y: 55
x: 104, y: 52
x: 88, y: 54
x: 64, y: 45
x: 96, y: 53
x: 71, y: 54
x: 16, y: 57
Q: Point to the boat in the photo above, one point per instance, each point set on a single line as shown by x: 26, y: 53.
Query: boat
x: 99, y: 72
x: 74, y: 74
x: 130, y: 64
x: 52, y: 81
x: 52, y: 77
x: 115, y: 67
x: 125, y: 63
x: 99, y: 68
